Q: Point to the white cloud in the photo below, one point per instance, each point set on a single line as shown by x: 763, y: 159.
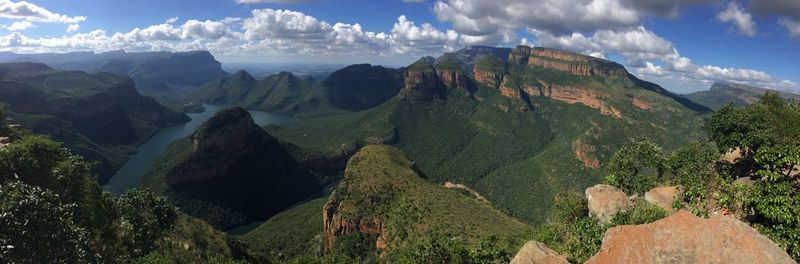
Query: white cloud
x: 73, y: 28
x: 30, y: 12
x: 742, y: 20
x: 284, y: 24
x: 791, y: 25
x: 652, y: 69
x: 408, y: 37
x: 20, y: 26
x: 172, y: 20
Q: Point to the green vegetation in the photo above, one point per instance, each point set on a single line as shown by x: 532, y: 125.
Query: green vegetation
x: 764, y: 140
x: 98, y: 116
x: 53, y: 211
x: 381, y: 184
x: 290, y: 234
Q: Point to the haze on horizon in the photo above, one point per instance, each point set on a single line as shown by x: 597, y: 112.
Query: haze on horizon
x: 748, y: 42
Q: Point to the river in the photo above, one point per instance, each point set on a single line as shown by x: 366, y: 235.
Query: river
x: 137, y: 165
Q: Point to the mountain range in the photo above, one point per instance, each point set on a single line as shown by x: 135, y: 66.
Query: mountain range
x: 739, y: 95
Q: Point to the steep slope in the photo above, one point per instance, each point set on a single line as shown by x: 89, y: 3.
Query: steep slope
x: 362, y: 86
x: 386, y: 200
x: 98, y: 116
x: 282, y: 93
x: 721, y: 94
x: 155, y: 73
x: 518, y: 132
x: 231, y: 172
x: 353, y: 88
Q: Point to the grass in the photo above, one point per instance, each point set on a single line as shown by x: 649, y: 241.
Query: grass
x: 291, y: 233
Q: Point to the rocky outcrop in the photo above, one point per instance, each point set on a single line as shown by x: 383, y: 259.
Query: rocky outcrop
x: 605, y: 201
x: 664, y: 197
x: 574, y: 63
x: 534, y: 252
x: 453, y: 80
x: 334, y: 224
x: 581, y: 95
x: 583, y: 153
x: 520, y: 55
x: 486, y: 78
x: 420, y: 83
x: 685, y: 238
x: 236, y: 168
x: 641, y: 104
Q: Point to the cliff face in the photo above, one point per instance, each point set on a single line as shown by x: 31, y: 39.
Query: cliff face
x: 421, y: 83
x: 86, y: 111
x: 575, y: 63
x: 520, y: 55
x: 237, y: 167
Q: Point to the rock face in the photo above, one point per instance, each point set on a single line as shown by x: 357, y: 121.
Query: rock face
x: 663, y: 196
x: 605, y: 201
x: 238, y: 168
x: 574, y: 63
x: 487, y: 78
x: 583, y: 153
x: 685, y: 238
x: 424, y: 81
x: 577, y: 95
x: 534, y: 252
x: 520, y: 55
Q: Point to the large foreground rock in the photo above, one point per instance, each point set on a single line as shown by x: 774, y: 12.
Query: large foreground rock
x: 535, y: 252
x: 685, y: 238
x: 605, y: 201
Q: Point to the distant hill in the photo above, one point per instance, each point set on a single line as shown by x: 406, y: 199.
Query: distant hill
x: 721, y: 94
x: 231, y: 172
x: 353, y: 88
x: 155, y: 73
x: 518, y: 130
x: 99, y: 116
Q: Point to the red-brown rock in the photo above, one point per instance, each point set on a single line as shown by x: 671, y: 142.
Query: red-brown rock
x: 685, y: 238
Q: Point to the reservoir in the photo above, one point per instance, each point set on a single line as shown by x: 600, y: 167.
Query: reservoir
x: 137, y: 165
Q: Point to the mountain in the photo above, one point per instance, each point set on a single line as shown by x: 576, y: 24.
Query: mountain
x: 721, y: 94
x: 362, y: 86
x: 353, y: 88
x: 518, y: 130
x: 384, y: 208
x: 155, y: 73
x: 230, y: 172
x: 99, y: 116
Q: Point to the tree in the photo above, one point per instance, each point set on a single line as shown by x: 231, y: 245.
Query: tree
x: 144, y: 218
x: 636, y: 167
x: 36, y: 227
x: 31, y: 160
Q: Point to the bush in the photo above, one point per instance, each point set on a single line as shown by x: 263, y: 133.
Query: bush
x: 642, y: 213
x: 35, y: 227
x: 488, y: 250
x: 636, y: 167
x: 144, y: 218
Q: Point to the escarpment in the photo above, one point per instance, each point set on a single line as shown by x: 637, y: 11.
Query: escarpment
x: 572, y: 63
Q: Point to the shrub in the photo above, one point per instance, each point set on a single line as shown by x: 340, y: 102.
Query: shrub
x: 636, y: 167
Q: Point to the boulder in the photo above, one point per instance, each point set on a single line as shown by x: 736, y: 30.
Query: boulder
x: 535, y: 252
x: 663, y: 196
x: 685, y: 238
x: 605, y: 201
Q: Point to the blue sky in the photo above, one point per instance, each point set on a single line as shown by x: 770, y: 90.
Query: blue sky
x: 682, y: 44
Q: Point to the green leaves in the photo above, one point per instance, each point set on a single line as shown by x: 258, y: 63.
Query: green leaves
x: 636, y: 167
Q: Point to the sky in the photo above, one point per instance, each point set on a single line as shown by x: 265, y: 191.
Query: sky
x: 684, y: 45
